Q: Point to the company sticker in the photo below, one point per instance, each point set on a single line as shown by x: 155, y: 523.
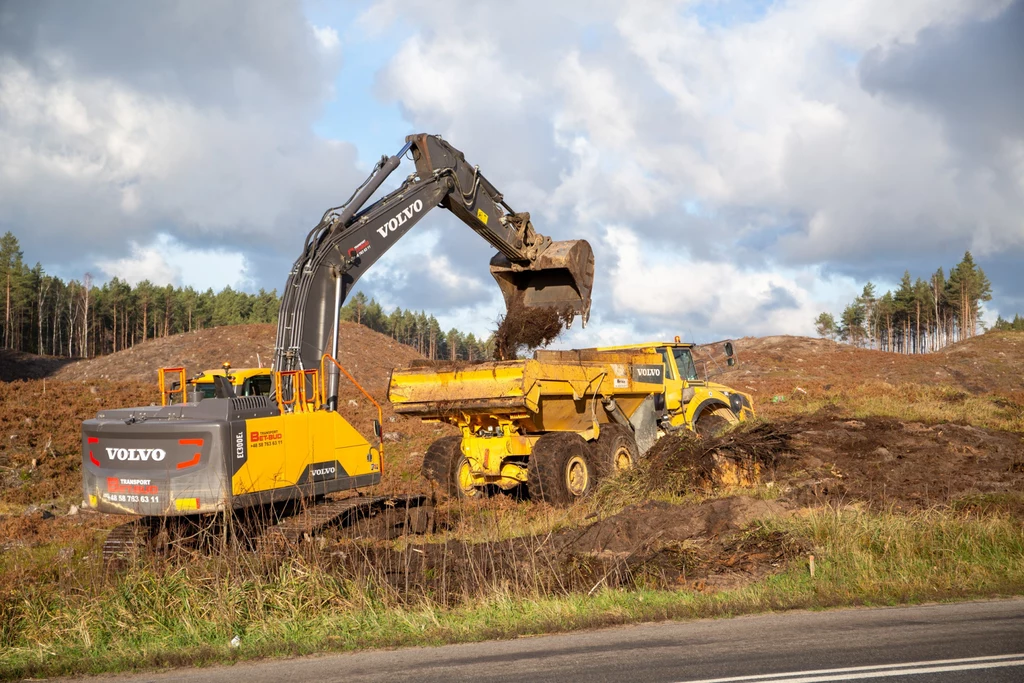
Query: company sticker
x: 262, y: 439
x: 621, y: 383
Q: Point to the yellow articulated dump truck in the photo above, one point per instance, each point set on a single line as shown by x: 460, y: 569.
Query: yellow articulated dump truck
x: 562, y: 420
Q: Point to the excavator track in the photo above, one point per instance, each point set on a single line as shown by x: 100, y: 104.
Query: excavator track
x: 378, y: 516
x: 125, y: 540
x: 398, y: 514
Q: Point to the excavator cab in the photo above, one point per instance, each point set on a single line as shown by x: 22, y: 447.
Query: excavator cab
x: 562, y: 277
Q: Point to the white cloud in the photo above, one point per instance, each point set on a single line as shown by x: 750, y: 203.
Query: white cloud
x: 169, y: 262
x: 327, y: 37
x: 683, y: 293
x: 750, y: 155
x: 208, y: 139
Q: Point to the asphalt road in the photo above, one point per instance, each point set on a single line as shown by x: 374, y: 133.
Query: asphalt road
x: 979, y: 641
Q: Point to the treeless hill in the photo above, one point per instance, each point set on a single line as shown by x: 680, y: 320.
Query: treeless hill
x: 368, y: 355
x: 990, y: 362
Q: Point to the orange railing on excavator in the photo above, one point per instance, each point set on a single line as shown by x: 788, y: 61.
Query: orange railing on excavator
x: 300, y: 400
x: 167, y: 394
x: 357, y: 385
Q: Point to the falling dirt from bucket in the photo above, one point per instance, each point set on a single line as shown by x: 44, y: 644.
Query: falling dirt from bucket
x: 529, y: 327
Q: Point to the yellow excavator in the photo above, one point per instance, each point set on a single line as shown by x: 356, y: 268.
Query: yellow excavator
x: 232, y: 452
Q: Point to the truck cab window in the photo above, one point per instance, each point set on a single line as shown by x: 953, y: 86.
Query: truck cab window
x: 684, y: 361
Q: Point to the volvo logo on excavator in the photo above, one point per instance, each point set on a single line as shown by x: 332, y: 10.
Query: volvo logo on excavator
x: 400, y: 219
x: 156, y: 454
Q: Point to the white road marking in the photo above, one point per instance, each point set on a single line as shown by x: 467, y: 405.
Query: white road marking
x: 879, y: 670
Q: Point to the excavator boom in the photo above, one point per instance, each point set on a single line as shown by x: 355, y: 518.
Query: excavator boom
x: 530, y: 269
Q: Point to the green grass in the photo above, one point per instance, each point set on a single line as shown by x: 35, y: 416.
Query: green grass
x: 60, y: 615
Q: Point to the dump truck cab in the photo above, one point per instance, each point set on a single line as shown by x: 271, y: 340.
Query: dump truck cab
x: 691, y: 400
x: 246, y: 381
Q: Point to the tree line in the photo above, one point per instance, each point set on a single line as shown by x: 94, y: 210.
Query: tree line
x: 1015, y: 325
x: 45, y: 315
x: 919, y: 317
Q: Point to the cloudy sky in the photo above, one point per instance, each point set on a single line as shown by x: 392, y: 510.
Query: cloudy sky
x: 737, y: 166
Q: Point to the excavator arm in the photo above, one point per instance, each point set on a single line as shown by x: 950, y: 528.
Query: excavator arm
x: 530, y: 269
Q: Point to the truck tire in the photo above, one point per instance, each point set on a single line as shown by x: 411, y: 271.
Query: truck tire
x: 709, y: 424
x: 614, y: 451
x: 561, y: 469
x: 445, y: 465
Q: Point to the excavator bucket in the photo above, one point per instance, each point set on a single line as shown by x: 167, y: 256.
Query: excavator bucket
x: 561, y: 277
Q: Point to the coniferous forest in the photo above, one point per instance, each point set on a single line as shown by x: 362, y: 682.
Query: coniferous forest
x: 44, y: 315
x: 920, y: 316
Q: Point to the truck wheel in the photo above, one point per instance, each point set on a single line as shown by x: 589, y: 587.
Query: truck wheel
x: 445, y: 465
x: 709, y: 424
x: 560, y: 470
x: 614, y: 451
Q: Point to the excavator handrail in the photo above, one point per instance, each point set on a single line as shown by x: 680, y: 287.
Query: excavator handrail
x: 165, y: 393
x: 380, y: 411
x: 299, y: 399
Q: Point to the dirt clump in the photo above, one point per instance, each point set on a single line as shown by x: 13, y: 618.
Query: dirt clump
x: 654, y: 523
x: 529, y: 327
x: 683, y: 462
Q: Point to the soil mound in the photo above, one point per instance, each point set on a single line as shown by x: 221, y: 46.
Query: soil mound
x: 655, y: 523
x: 887, y: 463
x: 681, y: 463
x: 368, y: 355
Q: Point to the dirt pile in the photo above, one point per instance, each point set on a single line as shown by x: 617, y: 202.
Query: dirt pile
x: 368, y: 355
x: 655, y: 523
x: 703, y: 546
x: 682, y: 463
x: 529, y: 328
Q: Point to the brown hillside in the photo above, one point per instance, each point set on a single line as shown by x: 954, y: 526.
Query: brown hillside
x: 368, y: 355
x: 987, y: 363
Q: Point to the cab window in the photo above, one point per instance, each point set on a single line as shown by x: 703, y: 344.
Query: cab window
x: 257, y: 386
x: 684, y: 361
x: 205, y: 390
x: 669, y: 372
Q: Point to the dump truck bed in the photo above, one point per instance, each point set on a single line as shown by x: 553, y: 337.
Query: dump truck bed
x: 554, y: 390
